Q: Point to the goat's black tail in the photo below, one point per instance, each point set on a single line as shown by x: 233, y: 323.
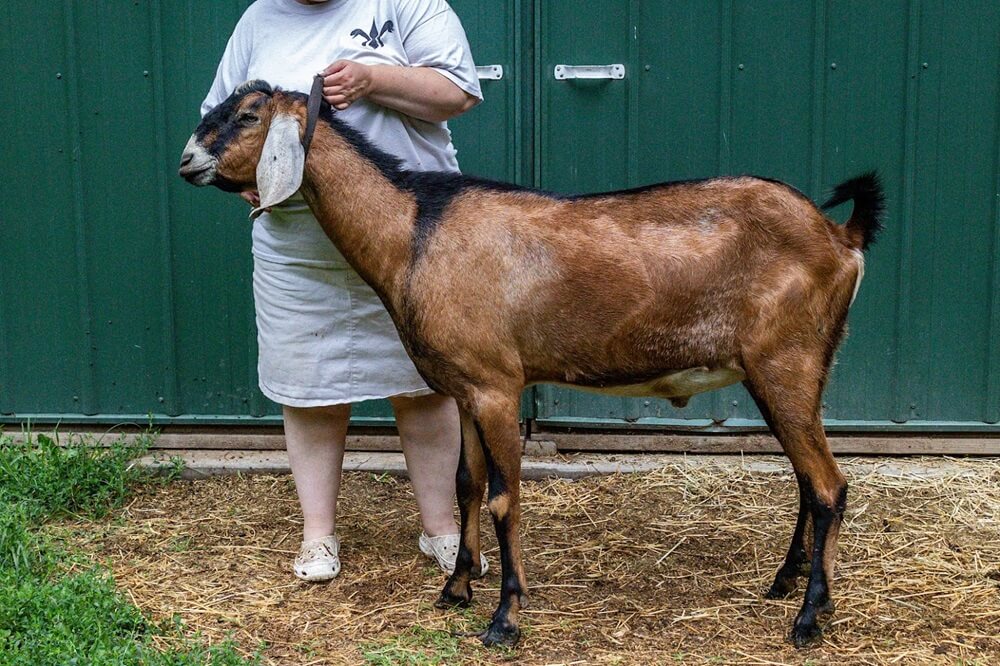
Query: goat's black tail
x: 869, y: 207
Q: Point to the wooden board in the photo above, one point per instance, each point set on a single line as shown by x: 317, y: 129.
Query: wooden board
x: 551, y: 443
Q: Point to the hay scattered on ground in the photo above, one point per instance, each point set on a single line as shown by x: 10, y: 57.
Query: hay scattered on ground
x: 642, y: 569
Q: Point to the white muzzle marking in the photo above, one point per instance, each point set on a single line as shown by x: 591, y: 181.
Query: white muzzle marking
x: 197, y: 165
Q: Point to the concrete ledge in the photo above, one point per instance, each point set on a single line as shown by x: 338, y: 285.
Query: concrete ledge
x: 204, y: 464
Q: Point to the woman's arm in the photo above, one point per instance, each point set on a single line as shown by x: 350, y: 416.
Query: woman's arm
x: 419, y: 92
x: 233, y: 66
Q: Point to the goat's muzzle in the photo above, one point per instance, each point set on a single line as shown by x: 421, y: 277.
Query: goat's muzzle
x: 197, y: 165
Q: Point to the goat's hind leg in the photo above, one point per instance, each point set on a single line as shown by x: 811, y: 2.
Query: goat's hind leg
x: 470, y: 483
x: 827, y: 515
x: 791, y: 401
x: 796, y: 562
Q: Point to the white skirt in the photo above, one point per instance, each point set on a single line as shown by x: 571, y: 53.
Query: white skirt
x: 324, y: 336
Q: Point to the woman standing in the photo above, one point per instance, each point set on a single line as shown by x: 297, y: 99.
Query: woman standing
x: 396, y: 70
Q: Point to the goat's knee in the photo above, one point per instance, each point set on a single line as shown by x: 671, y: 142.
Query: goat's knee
x: 499, y: 505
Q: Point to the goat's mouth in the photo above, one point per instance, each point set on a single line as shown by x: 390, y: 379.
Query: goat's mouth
x: 202, y: 175
x: 197, y: 167
x: 198, y: 175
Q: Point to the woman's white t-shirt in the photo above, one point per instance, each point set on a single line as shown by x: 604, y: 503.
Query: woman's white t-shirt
x: 285, y: 43
x: 323, y: 335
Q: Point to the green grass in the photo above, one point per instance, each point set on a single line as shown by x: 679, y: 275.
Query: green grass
x: 414, y: 647
x: 56, y: 608
x: 420, y: 646
x: 53, y: 479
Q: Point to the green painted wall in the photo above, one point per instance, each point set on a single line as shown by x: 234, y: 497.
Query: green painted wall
x: 124, y: 292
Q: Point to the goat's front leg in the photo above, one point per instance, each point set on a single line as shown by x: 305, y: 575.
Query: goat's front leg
x: 496, y: 422
x: 470, y: 483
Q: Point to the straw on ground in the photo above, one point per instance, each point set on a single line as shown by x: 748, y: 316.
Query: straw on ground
x: 637, y: 569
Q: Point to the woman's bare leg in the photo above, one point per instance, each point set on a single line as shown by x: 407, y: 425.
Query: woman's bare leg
x: 430, y: 436
x: 315, y: 438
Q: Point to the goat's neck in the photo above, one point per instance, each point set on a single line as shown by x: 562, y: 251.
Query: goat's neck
x: 366, y: 216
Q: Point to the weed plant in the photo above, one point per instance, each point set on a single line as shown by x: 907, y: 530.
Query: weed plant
x: 56, y: 608
x: 52, y: 479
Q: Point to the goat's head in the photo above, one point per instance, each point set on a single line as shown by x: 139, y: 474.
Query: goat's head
x: 251, y: 141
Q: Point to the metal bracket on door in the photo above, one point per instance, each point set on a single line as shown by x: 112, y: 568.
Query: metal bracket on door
x: 490, y: 72
x: 565, y: 72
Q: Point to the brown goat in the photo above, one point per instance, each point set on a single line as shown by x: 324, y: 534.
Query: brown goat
x: 667, y: 291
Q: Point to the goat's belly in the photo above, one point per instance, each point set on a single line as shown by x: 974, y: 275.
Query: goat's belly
x: 678, y: 384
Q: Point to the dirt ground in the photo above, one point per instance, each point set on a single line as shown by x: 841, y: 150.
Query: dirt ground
x: 663, y: 567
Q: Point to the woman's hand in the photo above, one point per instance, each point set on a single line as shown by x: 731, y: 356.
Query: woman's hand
x: 345, y: 82
x: 418, y: 92
x: 251, y: 197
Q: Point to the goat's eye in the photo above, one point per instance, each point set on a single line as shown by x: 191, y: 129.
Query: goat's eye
x: 247, y: 118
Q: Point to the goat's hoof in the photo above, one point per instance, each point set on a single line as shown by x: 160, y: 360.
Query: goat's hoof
x: 805, y: 633
x: 781, y: 588
x: 807, y: 628
x: 500, y: 633
x: 450, y: 599
x: 787, y: 578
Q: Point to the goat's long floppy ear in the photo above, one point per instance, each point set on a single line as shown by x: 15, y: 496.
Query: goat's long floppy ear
x: 279, y: 171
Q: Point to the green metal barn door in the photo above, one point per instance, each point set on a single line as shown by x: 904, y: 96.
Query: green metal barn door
x: 487, y: 136
x: 125, y: 292
x: 113, y: 304
x: 636, y: 102
x: 810, y: 93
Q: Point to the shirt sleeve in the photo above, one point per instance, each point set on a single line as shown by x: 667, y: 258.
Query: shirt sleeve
x: 433, y: 37
x: 233, y: 67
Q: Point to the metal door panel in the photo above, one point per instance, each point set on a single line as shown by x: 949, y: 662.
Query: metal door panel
x: 811, y: 93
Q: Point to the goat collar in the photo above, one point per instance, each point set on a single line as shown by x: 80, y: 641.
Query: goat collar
x: 312, y: 111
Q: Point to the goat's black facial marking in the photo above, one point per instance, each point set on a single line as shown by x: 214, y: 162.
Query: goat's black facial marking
x: 227, y: 185
x: 248, y: 119
x: 203, y: 160
x: 223, y: 123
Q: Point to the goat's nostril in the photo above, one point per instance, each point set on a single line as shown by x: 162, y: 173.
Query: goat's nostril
x: 186, y: 159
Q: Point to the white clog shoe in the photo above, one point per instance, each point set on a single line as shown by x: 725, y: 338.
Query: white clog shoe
x: 444, y: 549
x: 318, y: 559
